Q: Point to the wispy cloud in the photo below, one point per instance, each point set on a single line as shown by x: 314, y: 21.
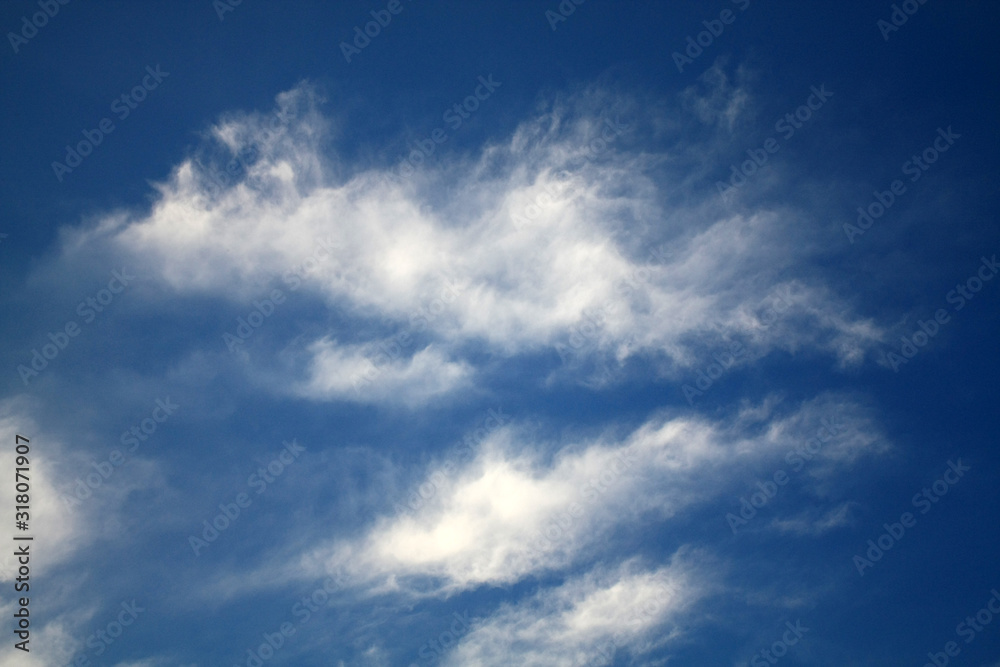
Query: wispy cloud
x: 524, y: 287
x: 587, y: 619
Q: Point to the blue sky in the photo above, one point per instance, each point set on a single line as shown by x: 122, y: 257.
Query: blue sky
x: 526, y: 333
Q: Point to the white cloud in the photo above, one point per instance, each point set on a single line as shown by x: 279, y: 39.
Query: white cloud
x: 585, y: 620
x: 60, y: 617
x: 367, y: 373
x: 512, y: 511
x: 59, y: 534
x: 51, y: 641
x: 530, y: 235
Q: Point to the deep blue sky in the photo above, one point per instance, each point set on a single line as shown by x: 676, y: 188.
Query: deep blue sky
x: 534, y: 223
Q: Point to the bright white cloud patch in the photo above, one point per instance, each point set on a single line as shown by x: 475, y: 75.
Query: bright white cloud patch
x: 591, y: 369
x: 62, y: 532
x: 505, y: 514
x: 529, y: 241
x: 585, y: 621
x: 542, y: 244
x: 370, y: 373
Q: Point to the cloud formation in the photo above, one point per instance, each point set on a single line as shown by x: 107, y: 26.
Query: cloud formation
x: 533, y: 243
